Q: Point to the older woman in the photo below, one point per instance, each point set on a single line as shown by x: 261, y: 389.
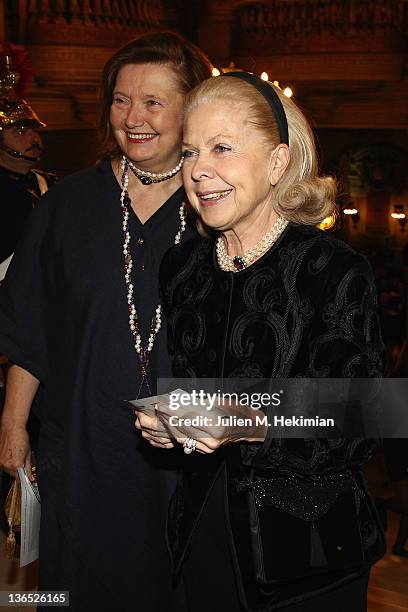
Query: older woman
x: 276, y: 524
x: 80, y: 316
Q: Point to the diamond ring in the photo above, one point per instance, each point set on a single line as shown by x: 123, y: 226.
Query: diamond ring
x: 189, y: 445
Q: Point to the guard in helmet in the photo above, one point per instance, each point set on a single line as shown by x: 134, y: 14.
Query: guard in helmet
x: 21, y: 148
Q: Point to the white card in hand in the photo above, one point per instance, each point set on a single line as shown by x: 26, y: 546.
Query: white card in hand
x: 147, y: 404
x: 30, y: 519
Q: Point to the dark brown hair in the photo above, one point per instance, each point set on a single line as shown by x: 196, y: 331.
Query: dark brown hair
x: 189, y: 63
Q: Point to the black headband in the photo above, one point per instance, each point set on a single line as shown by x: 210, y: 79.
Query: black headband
x: 271, y: 97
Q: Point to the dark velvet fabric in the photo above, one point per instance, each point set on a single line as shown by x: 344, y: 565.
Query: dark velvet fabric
x: 307, y: 308
x: 64, y: 318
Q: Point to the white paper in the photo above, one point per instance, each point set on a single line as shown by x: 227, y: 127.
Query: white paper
x: 4, y: 265
x: 147, y: 404
x: 30, y: 519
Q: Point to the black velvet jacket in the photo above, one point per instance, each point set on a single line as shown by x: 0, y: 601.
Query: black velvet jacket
x: 300, y: 516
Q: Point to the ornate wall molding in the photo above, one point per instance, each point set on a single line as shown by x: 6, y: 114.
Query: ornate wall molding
x: 85, y: 22
x: 337, y: 45
x: 328, y: 66
x: 304, y: 24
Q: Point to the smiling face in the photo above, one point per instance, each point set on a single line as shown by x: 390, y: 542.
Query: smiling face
x: 228, y: 171
x: 146, y: 115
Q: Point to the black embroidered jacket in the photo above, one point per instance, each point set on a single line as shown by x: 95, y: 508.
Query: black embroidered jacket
x: 301, y: 518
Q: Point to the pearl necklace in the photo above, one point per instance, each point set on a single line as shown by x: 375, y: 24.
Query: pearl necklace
x: 239, y: 262
x: 147, y: 178
x: 143, y: 352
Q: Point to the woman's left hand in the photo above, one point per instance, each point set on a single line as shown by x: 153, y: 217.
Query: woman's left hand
x: 153, y: 430
x: 210, y: 429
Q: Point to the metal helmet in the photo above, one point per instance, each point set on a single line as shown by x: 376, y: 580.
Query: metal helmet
x: 14, y: 111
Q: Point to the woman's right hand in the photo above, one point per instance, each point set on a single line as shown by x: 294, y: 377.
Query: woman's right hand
x: 15, y: 450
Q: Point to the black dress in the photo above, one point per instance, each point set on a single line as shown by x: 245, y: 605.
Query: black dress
x: 64, y: 318
x: 289, y: 520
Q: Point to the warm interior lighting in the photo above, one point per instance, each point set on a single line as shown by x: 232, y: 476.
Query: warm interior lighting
x: 216, y: 72
x: 264, y: 76
x: 327, y: 222
x: 276, y: 83
x: 399, y: 215
x: 353, y: 214
x: 288, y: 92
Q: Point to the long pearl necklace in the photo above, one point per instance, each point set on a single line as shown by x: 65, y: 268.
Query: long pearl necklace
x: 239, y: 262
x: 147, y: 178
x: 143, y: 352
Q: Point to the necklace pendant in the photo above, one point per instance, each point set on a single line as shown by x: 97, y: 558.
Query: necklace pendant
x: 143, y: 363
x: 146, y: 180
x: 238, y: 262
x: 144, y: 358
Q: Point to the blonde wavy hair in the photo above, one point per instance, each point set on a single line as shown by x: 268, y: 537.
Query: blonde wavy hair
x: 301, y: 195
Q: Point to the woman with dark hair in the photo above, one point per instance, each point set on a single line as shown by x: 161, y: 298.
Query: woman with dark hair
x: 80, y: 316
x: 264, y: 520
